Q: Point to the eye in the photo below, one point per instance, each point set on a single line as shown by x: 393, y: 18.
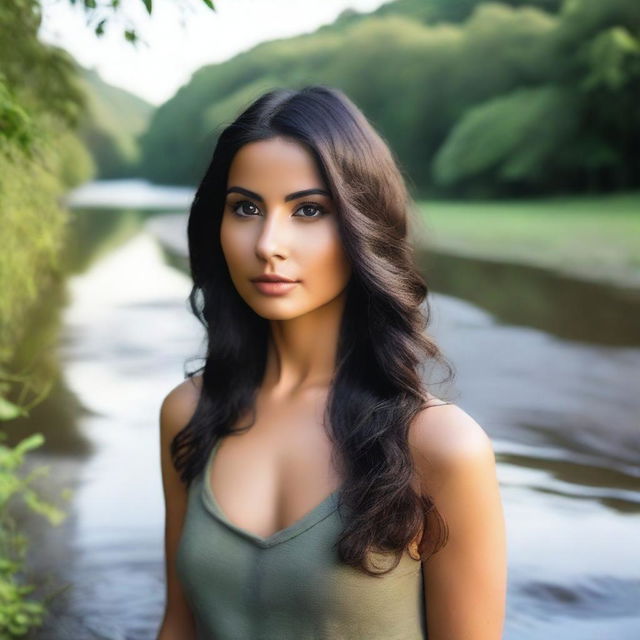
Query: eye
x: 319, y: 208
x: 242, y: 209
x: 234, y: 208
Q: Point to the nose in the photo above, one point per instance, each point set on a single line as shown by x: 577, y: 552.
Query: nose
x: 273, y: 236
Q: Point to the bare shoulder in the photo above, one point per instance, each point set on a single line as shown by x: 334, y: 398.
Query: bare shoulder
x: 179, y: 404
x: 465, y: 581
x: 446, y: 439
x: 177, y: 408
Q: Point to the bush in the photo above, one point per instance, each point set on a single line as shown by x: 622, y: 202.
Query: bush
x: 18, y: 614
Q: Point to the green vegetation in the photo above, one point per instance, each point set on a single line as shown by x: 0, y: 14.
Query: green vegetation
x: 18, y: 615
x: 48, y: 105
x: 452, y: 10
x: 101, y: 14
x: 40, y: 158
x: 477, y: 99
x: 113, y: 120
x: 593, y: 237
x: 56, y: 121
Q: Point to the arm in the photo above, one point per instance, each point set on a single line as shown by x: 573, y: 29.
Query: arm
x: 465, y: 581
x: 176, y: 410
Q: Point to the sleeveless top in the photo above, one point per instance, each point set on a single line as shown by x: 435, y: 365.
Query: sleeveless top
x: 289, y: 585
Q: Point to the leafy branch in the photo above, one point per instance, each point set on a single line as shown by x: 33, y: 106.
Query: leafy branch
x: 101, y: 14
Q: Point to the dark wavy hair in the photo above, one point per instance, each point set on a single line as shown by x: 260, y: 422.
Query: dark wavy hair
x: 377, y: 388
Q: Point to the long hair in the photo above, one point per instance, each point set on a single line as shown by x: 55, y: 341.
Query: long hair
x: 377, y: 388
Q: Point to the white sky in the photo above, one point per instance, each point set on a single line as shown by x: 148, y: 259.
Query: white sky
x: 157, y: 68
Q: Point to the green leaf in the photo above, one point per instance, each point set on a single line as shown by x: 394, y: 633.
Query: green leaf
x: 147, y: 4
x: 9, y: 411
x: 31, y: 442
x: 209, y: 4
x: 44, y: 508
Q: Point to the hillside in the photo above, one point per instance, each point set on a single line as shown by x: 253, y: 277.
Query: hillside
x: 476, y: 99
x: 110, y: 130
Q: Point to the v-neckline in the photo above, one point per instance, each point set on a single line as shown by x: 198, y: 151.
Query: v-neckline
x: 310, y: 519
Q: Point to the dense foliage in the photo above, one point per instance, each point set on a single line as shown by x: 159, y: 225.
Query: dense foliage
x: 40, y: 158
x: 477, y: 98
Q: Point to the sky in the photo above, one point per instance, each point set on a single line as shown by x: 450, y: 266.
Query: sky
x: 180, y: 36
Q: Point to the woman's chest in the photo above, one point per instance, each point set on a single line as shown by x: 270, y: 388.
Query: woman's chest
x: 272, y: 475
x: 290, y: 585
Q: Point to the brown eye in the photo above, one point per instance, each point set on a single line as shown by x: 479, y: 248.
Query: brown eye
x: 245, y: 213
x: 246, y: 209
x: 310, y: 205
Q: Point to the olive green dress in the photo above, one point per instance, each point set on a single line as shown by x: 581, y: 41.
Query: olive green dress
x: 290, y: 585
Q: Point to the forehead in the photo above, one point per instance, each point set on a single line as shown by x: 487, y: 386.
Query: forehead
x: 274, y: 166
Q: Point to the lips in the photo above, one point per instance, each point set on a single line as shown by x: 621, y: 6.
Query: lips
x: 272, y: 278
x: 274, y: 287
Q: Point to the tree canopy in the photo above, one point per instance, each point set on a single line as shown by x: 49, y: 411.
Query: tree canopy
x: 513, y: 98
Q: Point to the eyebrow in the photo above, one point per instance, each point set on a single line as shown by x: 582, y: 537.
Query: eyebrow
x: 292, y: 196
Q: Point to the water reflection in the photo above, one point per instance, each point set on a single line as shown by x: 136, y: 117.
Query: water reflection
x: 562, y: 410
x: 541, y: 298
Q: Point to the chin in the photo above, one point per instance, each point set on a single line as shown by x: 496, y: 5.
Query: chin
x: 277, y: 309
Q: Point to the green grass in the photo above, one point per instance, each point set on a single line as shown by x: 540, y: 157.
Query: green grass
x: 592, y: 237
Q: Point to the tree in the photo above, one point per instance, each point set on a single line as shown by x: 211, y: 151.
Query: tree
x: 101, y: 14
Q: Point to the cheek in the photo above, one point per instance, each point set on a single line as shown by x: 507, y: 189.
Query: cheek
x: 233, y: 248
x: 325, y: 263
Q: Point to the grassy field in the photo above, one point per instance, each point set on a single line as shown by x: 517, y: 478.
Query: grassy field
x: 596, y: 238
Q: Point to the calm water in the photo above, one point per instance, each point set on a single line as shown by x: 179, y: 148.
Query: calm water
x: 547, y: 365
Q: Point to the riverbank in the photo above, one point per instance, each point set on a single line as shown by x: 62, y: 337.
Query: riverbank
x: 592, y: 238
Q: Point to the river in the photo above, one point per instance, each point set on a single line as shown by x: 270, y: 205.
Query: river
x: 547, y: 365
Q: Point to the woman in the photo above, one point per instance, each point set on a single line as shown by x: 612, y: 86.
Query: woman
x: 314, y: 488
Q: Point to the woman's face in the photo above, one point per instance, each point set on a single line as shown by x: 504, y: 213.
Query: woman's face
x: 270, y: 227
